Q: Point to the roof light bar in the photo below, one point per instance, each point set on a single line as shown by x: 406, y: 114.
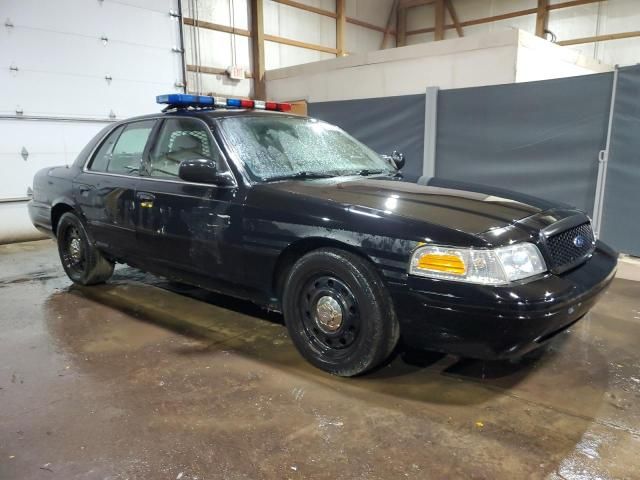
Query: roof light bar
x: 183, y: 100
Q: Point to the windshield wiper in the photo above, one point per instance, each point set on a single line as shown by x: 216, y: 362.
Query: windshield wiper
x: 365, y: 172
x: 299, y: 176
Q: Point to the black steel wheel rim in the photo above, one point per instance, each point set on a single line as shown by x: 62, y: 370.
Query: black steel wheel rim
x: 73, y: 251
x: 331, y: 335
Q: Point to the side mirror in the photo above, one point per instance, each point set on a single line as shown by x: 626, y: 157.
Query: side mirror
x: 398, y: 159
x: 203, y: 170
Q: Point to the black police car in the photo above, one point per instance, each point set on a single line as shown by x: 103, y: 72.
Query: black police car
x: 294, y: 214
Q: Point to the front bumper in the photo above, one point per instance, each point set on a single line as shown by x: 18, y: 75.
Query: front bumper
x: 488, y: 322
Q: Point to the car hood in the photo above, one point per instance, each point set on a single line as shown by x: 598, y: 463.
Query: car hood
x: 470, y: 211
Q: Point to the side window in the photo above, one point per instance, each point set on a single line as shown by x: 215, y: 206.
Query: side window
x: 182, y: 139
x: 126, y: 155
x: 103, y: 155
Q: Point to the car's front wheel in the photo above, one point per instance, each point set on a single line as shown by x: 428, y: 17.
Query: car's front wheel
x: 339, y: 313
x: 81, y: 260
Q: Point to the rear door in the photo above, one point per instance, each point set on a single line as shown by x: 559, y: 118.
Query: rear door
x: 105, y: 190
x: 185, y: 226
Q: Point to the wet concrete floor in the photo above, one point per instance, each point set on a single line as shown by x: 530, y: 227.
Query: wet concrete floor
x: 140, y: 379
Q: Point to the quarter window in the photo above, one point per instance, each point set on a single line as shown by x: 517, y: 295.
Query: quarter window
x: 103, y: 155
x: 182, y: 139
x: 126, y: 155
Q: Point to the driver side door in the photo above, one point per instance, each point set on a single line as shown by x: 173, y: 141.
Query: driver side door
x: 187, y: 227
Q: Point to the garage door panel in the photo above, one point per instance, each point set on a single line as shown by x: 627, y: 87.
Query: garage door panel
x: 65, y: 54
x: 118, y: 20
x: 48, y: 143
x: 78, y: 96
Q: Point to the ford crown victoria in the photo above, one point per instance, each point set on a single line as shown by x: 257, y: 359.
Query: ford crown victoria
x: 294, y: 214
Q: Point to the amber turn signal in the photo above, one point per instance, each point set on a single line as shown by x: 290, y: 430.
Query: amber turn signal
x: 442, y: 262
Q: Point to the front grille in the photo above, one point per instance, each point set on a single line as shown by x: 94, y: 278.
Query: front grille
x: 569, y: 248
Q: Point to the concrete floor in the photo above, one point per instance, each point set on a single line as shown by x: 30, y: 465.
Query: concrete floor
x: 135, y: 380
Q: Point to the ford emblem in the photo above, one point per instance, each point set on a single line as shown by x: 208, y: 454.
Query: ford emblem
x: 579, y: 241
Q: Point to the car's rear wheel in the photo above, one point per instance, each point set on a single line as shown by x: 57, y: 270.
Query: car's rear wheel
x: 339, y: 313
x: 81, y: 260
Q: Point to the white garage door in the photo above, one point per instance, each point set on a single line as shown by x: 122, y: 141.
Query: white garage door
x: 68, y: 67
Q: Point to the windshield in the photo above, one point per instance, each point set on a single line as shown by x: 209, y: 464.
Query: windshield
x: 287, y: 147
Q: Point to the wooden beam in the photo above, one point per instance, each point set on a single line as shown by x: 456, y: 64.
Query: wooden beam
x: 495, y: 18
x: 542, y: 17
x: 246, y: 33
x: 296, y: 43
x: 414, y: 3
x: 439, y: 14
x: 308, y: 8
x: 479, y: 21
x: 600, y: 38
x: 213, y: 70
x: 574, y: 3
x: 454, y: 17
x: 257, y: 49
x: 371, y: 26
x: 418, y: 31
x: 216, y: 26
x: 401, y: 27
x: 505, y: 16
x: 341, y: 22
x: 387, y: 30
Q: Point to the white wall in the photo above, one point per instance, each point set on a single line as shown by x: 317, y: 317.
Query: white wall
x: 504, y: 56
x: 361, y: 39
x: 290, y: 22
x: 539, y: 59
x: 610, y: 16
x: 217, y: 49
x: 61, y: 64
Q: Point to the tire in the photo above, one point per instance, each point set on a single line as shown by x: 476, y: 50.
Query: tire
x: 81, y: 260
x: 339, y: 313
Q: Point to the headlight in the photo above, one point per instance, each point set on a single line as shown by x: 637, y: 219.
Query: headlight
x: 497, y: 266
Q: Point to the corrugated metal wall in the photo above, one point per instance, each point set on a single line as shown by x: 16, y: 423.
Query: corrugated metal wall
x: 621, y: 208
x: 539, y: 138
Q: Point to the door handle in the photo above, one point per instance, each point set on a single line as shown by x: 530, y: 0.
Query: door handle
x: 145, y: 196
x: 145, y: 199
x: 225, y: 219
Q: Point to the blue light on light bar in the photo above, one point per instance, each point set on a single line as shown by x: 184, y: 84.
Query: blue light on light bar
x: 184, y: 99
x: 234, y: 102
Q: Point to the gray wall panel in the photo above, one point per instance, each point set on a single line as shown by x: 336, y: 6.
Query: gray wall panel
x: 621, y: 214
x: 539, y: 138
x: 384, y: 124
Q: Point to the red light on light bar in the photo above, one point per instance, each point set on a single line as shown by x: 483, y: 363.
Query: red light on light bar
x: 246, y: 103
x: 284, y: 107
x: 271, y: 105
